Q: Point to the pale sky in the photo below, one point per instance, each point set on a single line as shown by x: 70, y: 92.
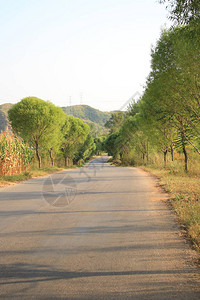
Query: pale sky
x: 94, y: 52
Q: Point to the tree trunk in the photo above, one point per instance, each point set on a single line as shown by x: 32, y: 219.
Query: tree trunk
x: 165, y: 158
x: 172, y: 145
x: 186, y: 159
x: 147, y: 150
x: 172, y: 152
x: 65, y: 161
x: 37, y: 154
x: 51, y: 157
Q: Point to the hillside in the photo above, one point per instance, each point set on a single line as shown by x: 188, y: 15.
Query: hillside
x: 86, y: 113
x: 94, y: 117
x: 4, y: 115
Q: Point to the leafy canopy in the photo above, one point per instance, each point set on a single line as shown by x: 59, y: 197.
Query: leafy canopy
x: 35, y: 119
x: 183, y: 11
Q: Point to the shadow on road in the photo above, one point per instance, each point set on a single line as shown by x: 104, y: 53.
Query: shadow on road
x: 27, y: 275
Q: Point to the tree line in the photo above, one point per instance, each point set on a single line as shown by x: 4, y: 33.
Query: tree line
x: 166, y: 119
x: 49, y: 132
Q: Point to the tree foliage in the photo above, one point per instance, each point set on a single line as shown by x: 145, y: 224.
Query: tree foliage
x: 37, y: 122
x: 115, y: 121
x: 167, y: 117
x: 50, y: 132
x: 75, y: 133
x: 183, y: 11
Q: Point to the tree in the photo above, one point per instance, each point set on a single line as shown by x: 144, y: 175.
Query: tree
x: 134, y: 135
x: 99, y: 142
x: 109, y: 144
x: 183, y: 11
x: 37, y: 122
x: 172, y: 96
x: 53, y: 144
x: 115, y: 121
x: 87, y: 149
x: 75, y: 132
x: 133, y: 108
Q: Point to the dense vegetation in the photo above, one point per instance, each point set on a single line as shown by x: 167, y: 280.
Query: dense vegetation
x: 50, y: 133
x: 15, y: 155
x: 183, y: 11
x: 42, y: 126
x: 167, y: 117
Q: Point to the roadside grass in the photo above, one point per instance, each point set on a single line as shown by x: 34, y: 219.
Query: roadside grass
x: 183, y: 188
x: 184, y: 192
x: 34, y: 173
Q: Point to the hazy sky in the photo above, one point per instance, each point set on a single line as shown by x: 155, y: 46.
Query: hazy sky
x: 96, y: 51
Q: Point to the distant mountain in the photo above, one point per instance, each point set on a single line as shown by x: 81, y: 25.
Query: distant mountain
x: 88, y: 113
x: 4, y: 116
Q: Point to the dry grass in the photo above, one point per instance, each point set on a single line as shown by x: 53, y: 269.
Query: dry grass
x: 33, y: 173
x: 184, y: 191
x: 12, y: 179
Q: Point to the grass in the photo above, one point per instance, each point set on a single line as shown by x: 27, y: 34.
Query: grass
x: 184, y: 192
x: 34, y: 173
x: 6, y: 180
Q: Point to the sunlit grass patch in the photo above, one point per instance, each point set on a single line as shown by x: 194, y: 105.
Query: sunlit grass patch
x: 184, y: 194
x: 5, y: 180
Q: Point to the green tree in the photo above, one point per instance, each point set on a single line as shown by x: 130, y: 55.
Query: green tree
x: 53, y: 144
x: 134, y: 135
x: 109, y: 144
x: 99, y: 142
x: 115, y: 121
x: 37, y: 122
x: 75, y: 132
x: 183, y: 11
x: 87, y: 149
x: 172, y: 94
x: 133, y: 109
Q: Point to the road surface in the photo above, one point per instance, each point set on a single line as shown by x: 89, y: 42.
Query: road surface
x: 100, y: 232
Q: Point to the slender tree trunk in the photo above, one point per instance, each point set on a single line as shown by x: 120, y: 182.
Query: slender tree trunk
x: 51, y: 157
x: 37, y: 154
x: 186, y: 159
x: 147, y: 150
x: 66, y: 162
x: 165, y: 158
x: 172, y: 152
x: 172, y: 145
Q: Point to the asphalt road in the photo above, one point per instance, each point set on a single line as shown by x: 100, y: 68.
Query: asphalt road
x: 100, y: 232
